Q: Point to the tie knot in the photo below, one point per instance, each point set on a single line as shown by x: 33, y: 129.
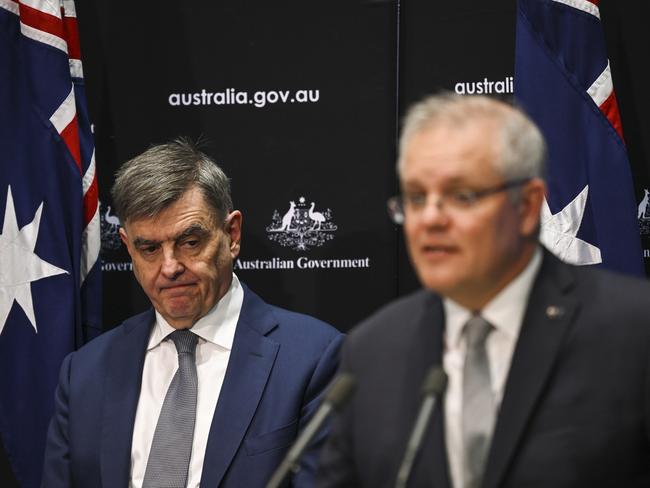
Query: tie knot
x: 184, y: 340
x: 477, y: 330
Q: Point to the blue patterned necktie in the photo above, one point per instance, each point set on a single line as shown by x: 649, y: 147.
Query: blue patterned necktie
x: 171, y: 448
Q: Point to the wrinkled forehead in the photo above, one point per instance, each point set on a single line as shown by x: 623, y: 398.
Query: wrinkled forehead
x: 192, y: 206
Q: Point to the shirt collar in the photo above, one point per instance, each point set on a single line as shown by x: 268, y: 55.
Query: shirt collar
x: 505, y: 311
x: 217, y: 326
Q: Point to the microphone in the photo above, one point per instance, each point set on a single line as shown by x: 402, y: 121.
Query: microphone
x: 340, y: 391
x: 433, y: 386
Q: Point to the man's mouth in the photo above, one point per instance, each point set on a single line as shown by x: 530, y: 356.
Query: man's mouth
x: 438, y: 249
x: 176, y: 288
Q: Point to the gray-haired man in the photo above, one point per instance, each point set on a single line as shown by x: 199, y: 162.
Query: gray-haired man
x: 211, y: 385
x: 548, y: 364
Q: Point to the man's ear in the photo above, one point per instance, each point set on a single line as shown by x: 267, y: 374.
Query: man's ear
x: 125, y: 239
x: 530, y: 206
x: 233, y: 229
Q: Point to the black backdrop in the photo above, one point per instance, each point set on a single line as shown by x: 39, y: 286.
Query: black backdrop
x: 360, y: 63
x: 185, y: 69
x: 335, y: 149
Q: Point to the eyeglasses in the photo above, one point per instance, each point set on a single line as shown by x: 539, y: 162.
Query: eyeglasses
x: 454, y: 201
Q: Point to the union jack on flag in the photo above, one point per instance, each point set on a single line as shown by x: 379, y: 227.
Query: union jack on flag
x: 50, y: 276
x: 563, y: 81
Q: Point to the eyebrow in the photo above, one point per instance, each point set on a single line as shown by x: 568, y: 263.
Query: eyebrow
x: 192, y: 230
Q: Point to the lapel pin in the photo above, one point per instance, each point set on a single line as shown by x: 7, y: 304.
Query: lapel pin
x: 554, y: 312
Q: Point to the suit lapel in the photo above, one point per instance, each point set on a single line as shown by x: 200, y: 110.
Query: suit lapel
x: 550, y: 311
x: 251, y: 360
x: 121, y: 394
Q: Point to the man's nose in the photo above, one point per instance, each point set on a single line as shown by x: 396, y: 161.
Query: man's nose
x: 434, y: 213
x: 171, y: 267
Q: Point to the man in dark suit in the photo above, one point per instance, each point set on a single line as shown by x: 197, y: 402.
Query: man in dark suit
x: 554, y: 388
x: 131, y: 409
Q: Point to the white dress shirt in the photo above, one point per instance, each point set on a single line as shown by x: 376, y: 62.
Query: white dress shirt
x: 506, y: 313
x: 216, y: 332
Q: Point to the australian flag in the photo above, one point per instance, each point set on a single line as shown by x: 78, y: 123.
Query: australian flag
x: 49, y: 238
x: 563, y: 81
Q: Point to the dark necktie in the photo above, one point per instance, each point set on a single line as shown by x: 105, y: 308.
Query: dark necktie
x: 479, y: 406
x: 171, y: 448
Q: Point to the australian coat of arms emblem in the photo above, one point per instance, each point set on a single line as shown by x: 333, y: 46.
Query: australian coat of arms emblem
x: 302, y: 226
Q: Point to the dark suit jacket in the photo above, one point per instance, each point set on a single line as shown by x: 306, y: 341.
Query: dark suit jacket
x: 279, y: 366
x: 576, y: 407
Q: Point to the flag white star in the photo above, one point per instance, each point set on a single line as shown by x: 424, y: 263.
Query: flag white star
x: 19, y: 265
x: 559, y: 232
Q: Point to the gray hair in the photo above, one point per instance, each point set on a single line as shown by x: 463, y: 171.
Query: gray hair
x: 521, y: 148
x: 154, y: 180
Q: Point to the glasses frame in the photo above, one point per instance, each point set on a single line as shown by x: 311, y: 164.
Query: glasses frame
x: 397, y: 213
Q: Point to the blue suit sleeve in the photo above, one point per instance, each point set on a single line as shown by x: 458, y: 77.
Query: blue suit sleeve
x: 336, y: 464
x: 323, y: 374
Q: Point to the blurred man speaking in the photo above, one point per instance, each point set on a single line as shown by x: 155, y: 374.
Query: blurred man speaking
x: 212, y: 384
x: 548, y: 364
